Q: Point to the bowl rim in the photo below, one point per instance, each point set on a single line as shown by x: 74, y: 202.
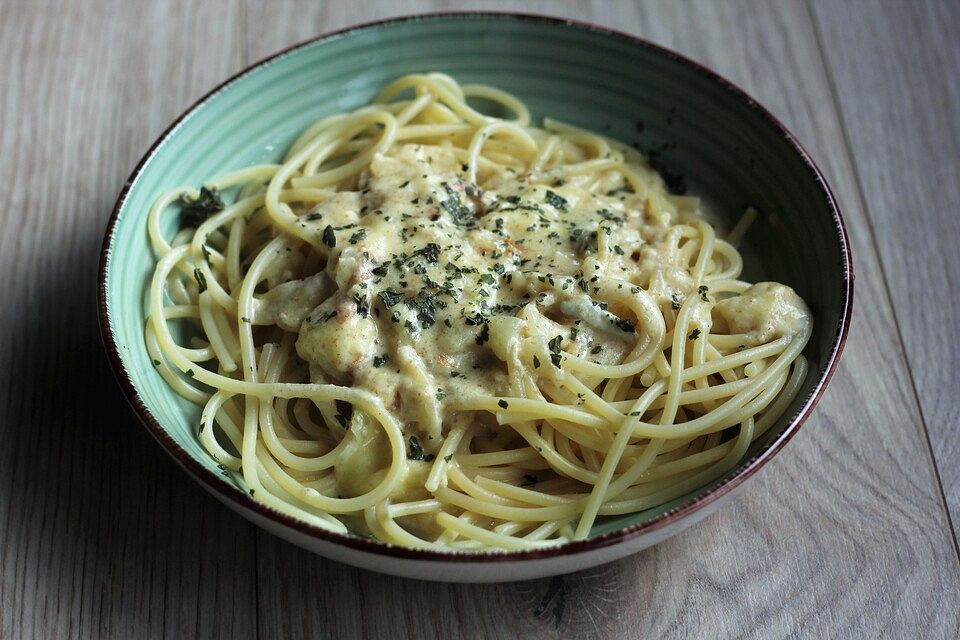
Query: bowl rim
x: 231, y: 493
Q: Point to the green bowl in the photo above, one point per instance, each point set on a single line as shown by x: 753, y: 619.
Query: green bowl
x: 703, y: 132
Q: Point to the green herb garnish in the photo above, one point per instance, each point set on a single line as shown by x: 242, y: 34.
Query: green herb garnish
x: 329, y: 237
x: 390, y: 297
x: 554, y: 346
x: 201, y: 279
x: 415, y: 452
x: 623, y: 325
x: 557, y: 202
x: 195, y: 211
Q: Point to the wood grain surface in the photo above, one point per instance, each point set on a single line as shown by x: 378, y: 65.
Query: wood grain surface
x: 901, y: 108
x: 845, y: 534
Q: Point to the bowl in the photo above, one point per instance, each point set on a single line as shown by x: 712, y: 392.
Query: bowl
x: 704, y: 133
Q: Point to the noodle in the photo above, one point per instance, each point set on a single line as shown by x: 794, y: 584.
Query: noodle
x: 448, y: 330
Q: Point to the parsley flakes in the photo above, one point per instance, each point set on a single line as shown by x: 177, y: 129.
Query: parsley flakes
x: 195, y: 211
x: 557, y: 202
x: 554, y: 346
x: 329, y: 237
x: 389, y: 297
x: 415, y: 451
x: 623, y: 325
x: 201, y: 279
x: 484, y: 334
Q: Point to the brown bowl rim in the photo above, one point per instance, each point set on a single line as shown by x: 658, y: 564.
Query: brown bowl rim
x: 234, y: 494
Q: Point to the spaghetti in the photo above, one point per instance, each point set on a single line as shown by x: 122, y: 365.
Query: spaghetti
x: 444, y: 329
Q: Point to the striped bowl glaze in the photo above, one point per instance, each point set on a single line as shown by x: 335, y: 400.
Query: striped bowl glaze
x: 701, y: 130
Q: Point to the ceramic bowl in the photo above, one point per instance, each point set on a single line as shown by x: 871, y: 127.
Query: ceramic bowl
x: 702, y: 131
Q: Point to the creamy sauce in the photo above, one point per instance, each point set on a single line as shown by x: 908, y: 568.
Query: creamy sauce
x: 422, y: 260
x: 424, y: 263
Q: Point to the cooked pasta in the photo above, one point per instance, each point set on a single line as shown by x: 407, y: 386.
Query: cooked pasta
x: 444, y: 329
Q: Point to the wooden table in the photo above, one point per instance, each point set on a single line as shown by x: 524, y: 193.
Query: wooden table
x: 846, y: 534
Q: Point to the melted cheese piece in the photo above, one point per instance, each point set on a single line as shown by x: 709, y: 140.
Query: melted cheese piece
x: 424, y: 260
x: 764, y: 312
x: 287, y: 304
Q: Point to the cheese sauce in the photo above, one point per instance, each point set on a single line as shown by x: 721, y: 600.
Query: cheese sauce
x: 423, y: 260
